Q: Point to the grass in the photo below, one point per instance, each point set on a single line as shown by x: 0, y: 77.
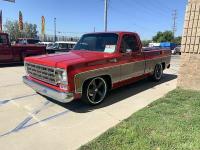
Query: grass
x: 170, y: 123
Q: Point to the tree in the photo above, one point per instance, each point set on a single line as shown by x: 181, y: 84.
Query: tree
x: 12, y: 28
x: 177, y: 40
x: 145, y: 43
x: 166, y: 36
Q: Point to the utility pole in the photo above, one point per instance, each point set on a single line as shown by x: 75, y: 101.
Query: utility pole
x: 55, y: 38
x: 174, y: 27
x: 106, y: 16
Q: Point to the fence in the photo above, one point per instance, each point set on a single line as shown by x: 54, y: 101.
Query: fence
x: 51, y: 38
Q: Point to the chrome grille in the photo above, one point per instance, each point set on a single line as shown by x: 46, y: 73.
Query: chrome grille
x: 40, y: 72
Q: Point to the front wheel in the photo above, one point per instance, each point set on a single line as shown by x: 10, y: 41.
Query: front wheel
x: 158, y: 73
x: 94, y: 91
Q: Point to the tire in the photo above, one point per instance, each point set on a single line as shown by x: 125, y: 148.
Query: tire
x: 23, y: 56
x: 94, y: 91
x: 158, y: 73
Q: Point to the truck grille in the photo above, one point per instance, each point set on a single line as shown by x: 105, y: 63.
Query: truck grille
x: 43, y: 73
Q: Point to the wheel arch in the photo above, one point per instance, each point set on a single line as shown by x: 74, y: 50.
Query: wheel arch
x: 106, y: 77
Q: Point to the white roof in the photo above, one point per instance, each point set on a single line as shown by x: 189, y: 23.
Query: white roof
x: 46, y: 42
x: 68, y: 42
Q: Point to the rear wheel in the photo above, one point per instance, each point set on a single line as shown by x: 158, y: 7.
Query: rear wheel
x: 158, y: 73
x: 94, y: 91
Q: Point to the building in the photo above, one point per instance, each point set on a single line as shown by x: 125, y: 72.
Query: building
x: 189, y: 74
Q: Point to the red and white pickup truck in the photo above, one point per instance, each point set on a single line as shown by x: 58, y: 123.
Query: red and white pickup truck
x: 16, y: 53
x: 98, y: 63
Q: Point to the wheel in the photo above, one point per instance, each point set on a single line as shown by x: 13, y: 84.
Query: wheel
x: 158, y: 72
x: 23, y: 56
x: 94, y: 91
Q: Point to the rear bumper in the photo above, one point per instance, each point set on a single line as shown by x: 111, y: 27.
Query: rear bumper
x: 63, y: 97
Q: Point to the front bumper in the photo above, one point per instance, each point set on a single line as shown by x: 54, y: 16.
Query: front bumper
x: 63, y: 97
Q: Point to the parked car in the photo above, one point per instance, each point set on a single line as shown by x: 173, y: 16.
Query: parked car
x: 60, y: 47
x: 27, y: 41
x: 16, y: 53
x: 98, y: 63
x: 176, y: 50
x: 47, y: 44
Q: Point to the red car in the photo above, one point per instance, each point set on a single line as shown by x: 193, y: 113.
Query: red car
x: 16, y: 53
x: 98, y: 63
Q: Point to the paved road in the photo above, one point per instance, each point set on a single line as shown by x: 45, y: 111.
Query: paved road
x: 30, y: 121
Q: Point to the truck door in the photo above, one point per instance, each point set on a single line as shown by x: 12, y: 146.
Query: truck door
x: 5, y: 49
x: 132, y: 58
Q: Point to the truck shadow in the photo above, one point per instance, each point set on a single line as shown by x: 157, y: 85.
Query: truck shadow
x: 11, y: 65
x: 116, y: 95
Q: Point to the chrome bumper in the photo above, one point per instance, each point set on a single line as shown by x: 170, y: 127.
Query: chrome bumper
x: 46, y: 91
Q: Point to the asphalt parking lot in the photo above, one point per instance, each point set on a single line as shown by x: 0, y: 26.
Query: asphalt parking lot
x: 30, y: 121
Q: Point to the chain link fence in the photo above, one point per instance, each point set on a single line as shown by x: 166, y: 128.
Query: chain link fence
x: 51, y: 38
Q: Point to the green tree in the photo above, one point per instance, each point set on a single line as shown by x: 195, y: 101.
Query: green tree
x: 145, y: 43
x: 177, y: 40
x: 12, y: 28
x: 166, y: 36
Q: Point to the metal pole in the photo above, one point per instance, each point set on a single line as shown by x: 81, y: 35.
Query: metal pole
x: 55, y: 38
x: 174, y: 15
x: 106, y: 16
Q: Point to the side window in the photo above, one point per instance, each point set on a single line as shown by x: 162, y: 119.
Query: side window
x: 3, y: 39
x: 129, y: 43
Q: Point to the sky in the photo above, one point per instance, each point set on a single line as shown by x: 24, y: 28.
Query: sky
x: 75, y: 17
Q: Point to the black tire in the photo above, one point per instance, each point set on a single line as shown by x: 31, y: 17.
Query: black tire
x: 23, y: 56
x: 94, y: 91
x: 158, y: 73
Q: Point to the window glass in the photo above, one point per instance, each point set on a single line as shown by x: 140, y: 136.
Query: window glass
x: 32, y: 41
x: 63, y: 45
x: 20, y: 41
x: 101, y: 42
x: 129, y: 42
x: 3, y: 39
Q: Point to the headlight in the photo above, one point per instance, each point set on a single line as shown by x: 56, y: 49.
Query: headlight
x: 61, y: 77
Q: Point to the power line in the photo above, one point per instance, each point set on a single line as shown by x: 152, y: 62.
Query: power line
x: 135, y: 23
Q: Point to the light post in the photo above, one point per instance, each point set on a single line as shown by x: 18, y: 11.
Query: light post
x: 106, y: 16
x: 55, y: 37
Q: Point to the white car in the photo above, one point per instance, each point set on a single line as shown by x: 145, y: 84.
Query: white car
x: 61, y: 46
x: 46, y: 43
x: 176, y: 50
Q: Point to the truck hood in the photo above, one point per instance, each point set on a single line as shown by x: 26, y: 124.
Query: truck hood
x: 63, y: 60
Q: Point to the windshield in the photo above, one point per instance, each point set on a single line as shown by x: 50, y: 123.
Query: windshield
x: 27, y: 41
x: 104, y: 42
x: 54, y: 45
x: 32, y: 41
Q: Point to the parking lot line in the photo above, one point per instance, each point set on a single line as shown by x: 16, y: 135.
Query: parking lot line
x: 3, y: 102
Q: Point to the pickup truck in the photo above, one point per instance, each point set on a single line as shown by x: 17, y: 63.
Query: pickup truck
x: 16, y: 53
x: 98, y: 63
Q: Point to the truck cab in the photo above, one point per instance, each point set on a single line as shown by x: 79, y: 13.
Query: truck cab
x: 5, y: 48
x: 17, y: 53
